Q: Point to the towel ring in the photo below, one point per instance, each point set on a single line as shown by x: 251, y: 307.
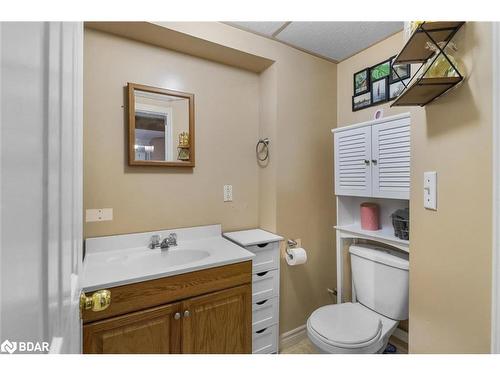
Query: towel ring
x: 265, y: 146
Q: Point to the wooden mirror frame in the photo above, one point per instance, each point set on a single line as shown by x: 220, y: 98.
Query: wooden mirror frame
x: 131, y: 126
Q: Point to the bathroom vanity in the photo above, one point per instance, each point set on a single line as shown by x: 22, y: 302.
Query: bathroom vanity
x: 192, y: 298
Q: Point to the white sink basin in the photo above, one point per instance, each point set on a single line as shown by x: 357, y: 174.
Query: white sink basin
x: 169, y: 258
x: 124, y: 259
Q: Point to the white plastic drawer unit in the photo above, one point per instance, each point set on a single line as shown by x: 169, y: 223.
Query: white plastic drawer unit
x: 264, y: 341
x: 372, y: 159
x: 265, y: 285
x: 266, y: 256
x: 265, y: 313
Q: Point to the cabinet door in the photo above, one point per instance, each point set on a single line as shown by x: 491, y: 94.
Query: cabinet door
x: 391, y: 159
x: 149, y: 331
x: 352, y: 150
x: 218, y: 323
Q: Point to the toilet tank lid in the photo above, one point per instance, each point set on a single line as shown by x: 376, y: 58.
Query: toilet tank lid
x: 381, y: 255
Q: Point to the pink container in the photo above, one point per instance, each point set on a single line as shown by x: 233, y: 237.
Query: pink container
x: 370, y: 216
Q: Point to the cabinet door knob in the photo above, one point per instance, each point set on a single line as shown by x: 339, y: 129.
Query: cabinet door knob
x: 177, y: 316
x: 367, y: 162
x: 374, y: 161
x: 187, y: 314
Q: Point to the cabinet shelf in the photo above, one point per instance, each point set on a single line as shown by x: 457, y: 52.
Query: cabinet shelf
x: 415, y: 51
x: 421, y: 91
x: 425, y: 90
x: 384, y: 235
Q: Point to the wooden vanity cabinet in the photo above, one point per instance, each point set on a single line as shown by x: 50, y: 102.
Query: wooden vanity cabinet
x: 144, y: 332
x: 208, y: 311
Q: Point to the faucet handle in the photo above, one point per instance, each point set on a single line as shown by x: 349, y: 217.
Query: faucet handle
x: 173, y: 236
x: 155, y: 241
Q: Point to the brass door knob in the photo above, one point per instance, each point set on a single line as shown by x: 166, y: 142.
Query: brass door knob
x: 99, y: 301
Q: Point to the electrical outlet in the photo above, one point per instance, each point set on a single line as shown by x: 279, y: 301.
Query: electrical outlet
x: 98, y: 214
x: 228, y: 193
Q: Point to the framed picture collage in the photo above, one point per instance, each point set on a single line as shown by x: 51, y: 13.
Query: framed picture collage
x: 379, y: 83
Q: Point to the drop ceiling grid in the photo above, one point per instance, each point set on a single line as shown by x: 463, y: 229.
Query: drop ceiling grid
x: 331, y: 40
x: 263, y: 28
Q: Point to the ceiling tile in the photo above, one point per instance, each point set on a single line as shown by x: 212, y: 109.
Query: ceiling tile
x: 264, y: 28
x: 336, y: 40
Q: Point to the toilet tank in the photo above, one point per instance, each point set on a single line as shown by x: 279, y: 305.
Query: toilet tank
x: 380, y: 278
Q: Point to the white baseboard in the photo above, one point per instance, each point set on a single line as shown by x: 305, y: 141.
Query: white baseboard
x: 400, y: 334
x: 292, y: 337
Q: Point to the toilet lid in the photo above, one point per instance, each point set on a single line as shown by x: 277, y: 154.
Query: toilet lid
x: 346, y: 323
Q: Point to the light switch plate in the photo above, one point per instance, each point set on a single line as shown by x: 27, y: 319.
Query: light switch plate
x: 228, y: 193
x: 430, y: 190
x: 98, y: 214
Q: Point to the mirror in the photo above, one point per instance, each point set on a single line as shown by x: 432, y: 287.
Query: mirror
x: 161, y: 126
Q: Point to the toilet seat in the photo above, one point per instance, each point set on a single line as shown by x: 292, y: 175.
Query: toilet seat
x: 348, y: 325
x: 349, y: 328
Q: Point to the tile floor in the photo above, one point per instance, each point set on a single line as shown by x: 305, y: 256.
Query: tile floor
x: 305, y: 346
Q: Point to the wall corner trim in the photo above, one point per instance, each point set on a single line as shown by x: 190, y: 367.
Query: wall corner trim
x: 495, y: 298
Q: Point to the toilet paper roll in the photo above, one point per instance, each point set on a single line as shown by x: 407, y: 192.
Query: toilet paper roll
x: 296, y: 256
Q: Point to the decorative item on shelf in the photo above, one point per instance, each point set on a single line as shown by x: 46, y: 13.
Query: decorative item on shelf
x: 406, y: 31
x: 440, y: 66
x: 414, y: 25
x: 370, y: 213
x: 183, y: 146
x: 401, y: 223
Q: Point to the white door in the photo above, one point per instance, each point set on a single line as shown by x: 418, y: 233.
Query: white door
x: 352, y: 150
x: 41, y: 185
x: 391, y: 159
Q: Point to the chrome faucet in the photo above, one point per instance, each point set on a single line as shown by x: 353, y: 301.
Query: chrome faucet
x: 171, y: 240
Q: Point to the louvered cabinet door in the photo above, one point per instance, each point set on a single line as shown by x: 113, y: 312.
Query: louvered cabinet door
x: 352, y: 162
x: 391, y: 159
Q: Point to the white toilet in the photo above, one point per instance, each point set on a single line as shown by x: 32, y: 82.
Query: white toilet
x: 380, y: 278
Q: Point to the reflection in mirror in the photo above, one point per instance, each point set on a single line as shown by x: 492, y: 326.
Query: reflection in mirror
x: 159, y: 122
x: 161, y: 127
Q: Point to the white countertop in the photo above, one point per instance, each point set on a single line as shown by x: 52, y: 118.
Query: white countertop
x: 126, y: 259
x: 252, y: 237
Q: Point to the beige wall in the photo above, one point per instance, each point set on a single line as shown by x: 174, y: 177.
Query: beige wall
x: 450, y: 251
x: 293, y: 103
x: 145, y: 199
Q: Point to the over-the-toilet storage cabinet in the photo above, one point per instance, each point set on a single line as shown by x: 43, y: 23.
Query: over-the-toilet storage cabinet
x: 373, y: 160
x: 371, y: 164
x: 265, y: 286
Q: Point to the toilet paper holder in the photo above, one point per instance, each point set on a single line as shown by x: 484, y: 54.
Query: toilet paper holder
x: 290, y: 245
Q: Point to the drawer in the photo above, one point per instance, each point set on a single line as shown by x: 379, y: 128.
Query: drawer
x: 265, y: 285
x: 267, y: 256
x: 265, y: 341
x: 265, y: 313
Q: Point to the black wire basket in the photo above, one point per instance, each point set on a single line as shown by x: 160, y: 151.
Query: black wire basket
x: 401, y: 227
